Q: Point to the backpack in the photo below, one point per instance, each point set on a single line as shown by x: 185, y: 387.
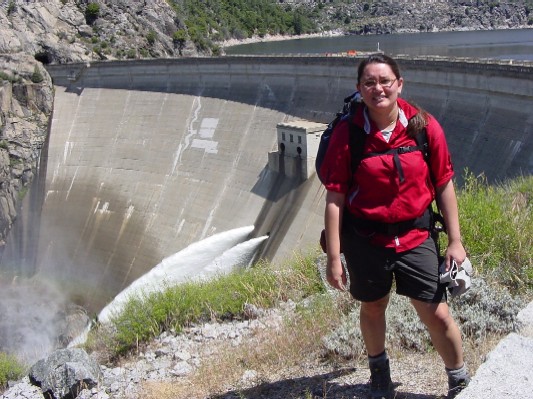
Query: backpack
x: 348, y: 110
x: 356, y: 144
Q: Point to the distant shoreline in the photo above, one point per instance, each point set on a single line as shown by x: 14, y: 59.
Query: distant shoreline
x: 336, y: 33
x: 278, y: 38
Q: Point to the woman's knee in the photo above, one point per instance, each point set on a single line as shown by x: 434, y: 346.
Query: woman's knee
x: 375, y: 308
x: 435, y: 315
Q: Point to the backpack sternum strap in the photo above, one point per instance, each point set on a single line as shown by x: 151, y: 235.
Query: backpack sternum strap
x: 396, y: 156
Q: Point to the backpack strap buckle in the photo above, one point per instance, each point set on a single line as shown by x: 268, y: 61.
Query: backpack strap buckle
x: 405, y: 150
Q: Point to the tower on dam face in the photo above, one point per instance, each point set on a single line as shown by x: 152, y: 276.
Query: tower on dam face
x: 298, y: 144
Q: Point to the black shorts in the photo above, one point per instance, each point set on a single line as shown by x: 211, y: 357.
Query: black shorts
x: 372, y: 270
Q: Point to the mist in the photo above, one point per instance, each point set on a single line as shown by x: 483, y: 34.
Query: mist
x: 32, y: 318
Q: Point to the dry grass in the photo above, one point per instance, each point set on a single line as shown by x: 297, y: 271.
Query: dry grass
x: 266, y: 356
x: 476, y: 352
x: 290, y: 363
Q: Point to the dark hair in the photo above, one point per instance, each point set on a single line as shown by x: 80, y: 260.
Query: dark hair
x: 417, y: 122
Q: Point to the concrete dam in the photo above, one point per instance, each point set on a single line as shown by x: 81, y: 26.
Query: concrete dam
x: 145, y: 158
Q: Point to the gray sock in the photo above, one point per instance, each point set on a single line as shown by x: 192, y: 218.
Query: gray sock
x: 458, y: 374
x: 458, y: 379
x: 377, y: 360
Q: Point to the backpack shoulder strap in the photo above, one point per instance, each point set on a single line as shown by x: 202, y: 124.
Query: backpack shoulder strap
x: 356, y: 143
x: 421, y: 139
x: 422, y: 142
x: 356, y: 134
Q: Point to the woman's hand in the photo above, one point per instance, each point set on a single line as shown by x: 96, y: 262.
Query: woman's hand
x: 336, y: 275
x: 455, y: 251
x: 448, y: 205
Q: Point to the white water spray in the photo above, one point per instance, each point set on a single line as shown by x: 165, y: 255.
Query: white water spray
x: 219, y: 253
x: 240, y: 256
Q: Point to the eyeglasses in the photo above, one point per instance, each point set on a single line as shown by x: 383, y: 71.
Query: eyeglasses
x: 369, y: 84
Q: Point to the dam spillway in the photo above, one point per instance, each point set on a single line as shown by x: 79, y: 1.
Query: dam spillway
x: 147, y: 157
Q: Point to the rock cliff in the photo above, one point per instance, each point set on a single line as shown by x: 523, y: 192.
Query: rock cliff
x: 425, y: 16
x: 26, y: 100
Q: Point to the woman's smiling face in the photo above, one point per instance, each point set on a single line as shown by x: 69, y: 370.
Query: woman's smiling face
x: 379, y: 86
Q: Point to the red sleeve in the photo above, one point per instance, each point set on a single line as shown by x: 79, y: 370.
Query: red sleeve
x: 335, y: 168
x: 440, y: 161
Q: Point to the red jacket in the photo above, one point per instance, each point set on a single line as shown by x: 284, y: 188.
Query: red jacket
x: 375, y: 192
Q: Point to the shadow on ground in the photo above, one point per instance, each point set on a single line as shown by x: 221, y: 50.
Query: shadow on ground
x: 321, y: 386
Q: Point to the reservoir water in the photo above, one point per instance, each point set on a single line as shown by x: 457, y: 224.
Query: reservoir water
x: 515, y: 44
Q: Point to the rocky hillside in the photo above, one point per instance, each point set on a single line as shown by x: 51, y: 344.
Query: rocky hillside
x: 426, y: 16
x: 33, y: 33
x: 26, y: 100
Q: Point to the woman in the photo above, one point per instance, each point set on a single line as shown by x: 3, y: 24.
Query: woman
x: 376, y: 212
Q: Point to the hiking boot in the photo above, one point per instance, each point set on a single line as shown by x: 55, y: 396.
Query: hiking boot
x: 456, y: 385
x: 380, y: 382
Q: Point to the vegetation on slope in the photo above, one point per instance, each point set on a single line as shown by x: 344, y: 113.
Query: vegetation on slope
x: 497, y: 226
x: 222, y: 298
x: 10, y: 369
x: 205, y: 22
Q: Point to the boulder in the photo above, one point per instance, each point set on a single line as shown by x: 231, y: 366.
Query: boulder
x: 65, y: 373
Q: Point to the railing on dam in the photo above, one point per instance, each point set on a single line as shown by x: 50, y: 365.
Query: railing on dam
x: 457, y: 63
x: 484, y: 62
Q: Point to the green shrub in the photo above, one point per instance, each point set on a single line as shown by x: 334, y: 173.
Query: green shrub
x: 22, y: 192
x: 216, y: 50
x: 37, y: 76
x: 242, y: 18
x: 176, y: 307
x: 487, y: 308
x: 7, y: 77
x: 92, y: 12
x: 179, y: 38
x: 497, y: 228
x: 151, y: 37
x: 144, y: 53
x: 11, y: 8
x: 10, y: 369
x: 131, y: 53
